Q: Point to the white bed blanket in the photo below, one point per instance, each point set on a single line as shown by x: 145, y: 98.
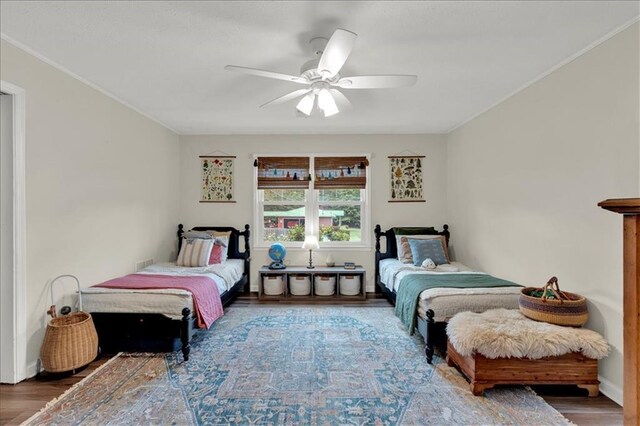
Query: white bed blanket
x: 168, y: 302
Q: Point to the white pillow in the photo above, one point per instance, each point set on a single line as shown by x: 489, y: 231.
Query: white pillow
x: 195, y: 252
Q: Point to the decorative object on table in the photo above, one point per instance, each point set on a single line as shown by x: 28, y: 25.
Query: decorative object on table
x: 277, y: 252
x: 310, y: 243
x: 70, y: 341
x: 330, y: 262
x: 405, y: 174
x: 550, y: 304
x: 349, y: 265
x: 217, y: 178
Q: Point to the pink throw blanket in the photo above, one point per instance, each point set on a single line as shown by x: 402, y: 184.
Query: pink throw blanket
x: 204, y: 291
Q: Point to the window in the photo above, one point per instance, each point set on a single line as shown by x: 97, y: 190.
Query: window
x: 319, y: 195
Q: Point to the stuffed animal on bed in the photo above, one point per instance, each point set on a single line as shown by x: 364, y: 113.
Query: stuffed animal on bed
x: 428, y: 264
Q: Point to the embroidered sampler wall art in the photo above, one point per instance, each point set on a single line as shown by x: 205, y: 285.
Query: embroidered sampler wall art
x: 406, y: 178
x: 217, y: 179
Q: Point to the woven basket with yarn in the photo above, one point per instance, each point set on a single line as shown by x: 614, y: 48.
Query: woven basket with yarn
x: 550, y: 304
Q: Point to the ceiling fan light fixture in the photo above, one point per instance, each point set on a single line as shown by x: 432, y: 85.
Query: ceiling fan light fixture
x: 326, y: 103
x: 322, y: 79
x: 305, y: 105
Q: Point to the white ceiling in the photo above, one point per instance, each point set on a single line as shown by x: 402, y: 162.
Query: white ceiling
x: 166, y: 59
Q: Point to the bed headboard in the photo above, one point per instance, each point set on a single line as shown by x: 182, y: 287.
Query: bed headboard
x: 391, y: 249
x: 235, y: 243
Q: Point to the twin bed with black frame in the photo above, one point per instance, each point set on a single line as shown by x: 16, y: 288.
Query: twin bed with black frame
x: 156, y: 332
x: 436, y: 295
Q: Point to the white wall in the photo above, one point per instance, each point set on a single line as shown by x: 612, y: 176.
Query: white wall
x: 102, y: 184
x: 433, y: 212
x: 524, y: 180
x: 6, y: 248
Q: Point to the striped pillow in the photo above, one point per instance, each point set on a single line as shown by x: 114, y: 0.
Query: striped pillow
x: 195, y: 252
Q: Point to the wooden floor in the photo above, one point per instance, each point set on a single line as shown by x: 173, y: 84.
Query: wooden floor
x: 21, y: 401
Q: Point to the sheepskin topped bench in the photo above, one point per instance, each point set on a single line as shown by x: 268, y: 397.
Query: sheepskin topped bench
x: 502, y: 346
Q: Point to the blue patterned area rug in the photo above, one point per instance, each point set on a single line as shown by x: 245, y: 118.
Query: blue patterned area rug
x: 290, y: 366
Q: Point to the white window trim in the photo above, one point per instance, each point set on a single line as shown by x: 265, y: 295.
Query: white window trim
x: 311, y: 197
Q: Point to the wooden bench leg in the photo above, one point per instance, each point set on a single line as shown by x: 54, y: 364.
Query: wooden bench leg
x: 478, y: 388
x: 450, y: 362
x: 593, y: 389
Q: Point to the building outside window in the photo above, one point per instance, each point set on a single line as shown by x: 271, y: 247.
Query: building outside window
x: 326, y: 196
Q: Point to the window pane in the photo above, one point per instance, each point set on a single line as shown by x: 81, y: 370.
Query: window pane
x: 284, y: 222
x: 340, y: 223
x: 339, y: 195
x: 284, y: 195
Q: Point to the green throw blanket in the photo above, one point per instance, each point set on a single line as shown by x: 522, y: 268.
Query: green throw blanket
x: 412, y: 285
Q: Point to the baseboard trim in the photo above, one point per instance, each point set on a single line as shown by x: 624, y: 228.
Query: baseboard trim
x: 610, y: 390
x: 32, y: 369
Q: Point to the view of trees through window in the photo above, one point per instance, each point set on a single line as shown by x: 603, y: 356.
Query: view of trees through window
x: 338, y: 211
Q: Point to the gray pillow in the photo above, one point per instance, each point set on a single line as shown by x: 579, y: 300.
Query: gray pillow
x: 198, y: 235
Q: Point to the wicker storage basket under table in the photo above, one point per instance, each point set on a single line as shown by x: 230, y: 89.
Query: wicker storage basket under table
x: 70, y: 341
x: 567, y: 309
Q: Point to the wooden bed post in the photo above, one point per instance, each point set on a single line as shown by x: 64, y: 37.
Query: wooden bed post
x: 247, y: 258
x: 630, y: 208
x: 446, y: 232
x: 185, y: 333
x: 180, y: 234
x: 377, y: 231
x: 428, y: 346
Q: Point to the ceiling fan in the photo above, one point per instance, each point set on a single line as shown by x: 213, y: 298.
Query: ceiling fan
x: 322, y: 76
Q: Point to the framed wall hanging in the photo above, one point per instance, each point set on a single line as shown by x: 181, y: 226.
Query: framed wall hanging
x: 217, y: 178
x: 406, y: 178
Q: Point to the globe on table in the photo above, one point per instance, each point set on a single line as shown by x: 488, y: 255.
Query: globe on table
x: 277, y: 252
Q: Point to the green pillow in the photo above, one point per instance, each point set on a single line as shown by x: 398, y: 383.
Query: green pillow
x: 415, y: 231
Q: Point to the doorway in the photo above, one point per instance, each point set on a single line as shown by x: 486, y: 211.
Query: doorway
x: 13, y: 320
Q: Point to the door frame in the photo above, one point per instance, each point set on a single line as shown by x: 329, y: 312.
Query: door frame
x: 19, y: 231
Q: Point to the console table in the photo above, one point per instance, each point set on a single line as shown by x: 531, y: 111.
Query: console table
x: 290, y: 271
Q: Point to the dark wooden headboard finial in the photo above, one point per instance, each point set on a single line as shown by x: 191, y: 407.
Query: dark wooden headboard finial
x: 377, y: 231
x: 246, y: 240
x: 446, y: 232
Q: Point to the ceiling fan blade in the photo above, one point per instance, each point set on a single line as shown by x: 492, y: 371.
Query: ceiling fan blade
x: 286, y: 98
x: 267, y: 74
x: 341, y: 99
x: 336, y: 52
x: 376, y: 81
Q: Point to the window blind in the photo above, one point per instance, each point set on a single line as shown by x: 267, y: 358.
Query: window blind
x: 340, y: 172
x: 283, y: 172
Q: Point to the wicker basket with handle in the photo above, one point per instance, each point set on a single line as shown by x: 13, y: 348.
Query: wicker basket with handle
x: 70, y: 341
x: 565, y: 308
